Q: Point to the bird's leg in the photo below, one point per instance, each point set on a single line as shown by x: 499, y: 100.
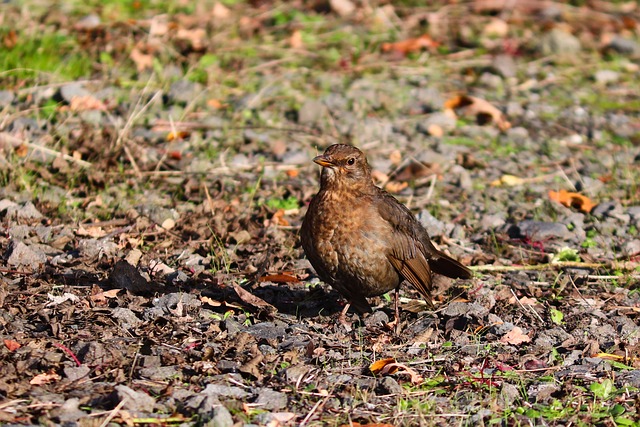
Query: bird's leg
x: 342, y: 318
x: 396, y: 321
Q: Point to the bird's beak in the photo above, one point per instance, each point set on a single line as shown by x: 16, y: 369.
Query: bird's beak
x: 323, y: 161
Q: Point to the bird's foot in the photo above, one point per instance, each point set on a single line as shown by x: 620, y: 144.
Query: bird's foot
x: 342, y: 318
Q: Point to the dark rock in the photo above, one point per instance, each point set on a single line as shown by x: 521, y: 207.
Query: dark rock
x: 624, y: 46
x: 388, y: 385
x: 267, y: 330
x: 539, y: 230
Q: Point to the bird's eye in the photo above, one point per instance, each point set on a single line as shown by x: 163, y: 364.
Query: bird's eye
x: 351, y: 161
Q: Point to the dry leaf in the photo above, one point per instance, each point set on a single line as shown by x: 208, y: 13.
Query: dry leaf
x: 295, y: 41
x: 515, y: 337
x: 142, y: 60
x: 509, y: 180
x: 377, y: 366
x: 279, y: 278
x: 572, y: 200
x: 180, y: 134
x: 390, y: 366
x: 528, y: 301
x: 292, y: 173
x: 408, y: 46
x: 484, y: 111
x: 196, y: 37
x: 12, y: 345
x: 86, y: 103
x: 45, y: 378
x: 253, y: 300
x: 395, y: 186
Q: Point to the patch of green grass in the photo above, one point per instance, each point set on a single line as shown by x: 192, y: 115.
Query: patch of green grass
x: 286, y: 204
x: 56, y: 53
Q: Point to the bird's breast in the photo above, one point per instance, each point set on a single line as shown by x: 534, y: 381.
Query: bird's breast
x: 354, y: 242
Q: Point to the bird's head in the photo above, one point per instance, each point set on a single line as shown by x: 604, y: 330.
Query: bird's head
x: 344, y: 166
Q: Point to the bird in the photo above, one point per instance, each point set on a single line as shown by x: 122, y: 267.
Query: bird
x: 362, y: 241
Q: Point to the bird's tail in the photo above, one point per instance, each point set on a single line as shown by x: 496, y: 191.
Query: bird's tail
x: 447, y: 266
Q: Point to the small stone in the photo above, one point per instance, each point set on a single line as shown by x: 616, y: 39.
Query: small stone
x: 539, y: 230
x: 6, y: 98
x: 559, y: 42
x: 388, y: 385
x: 624, y: 46
x: 271, y: 400
x: 135, y: 400
x: 377, y: 318
x: 225, y: 391
x: 606, y: 76
x: 21, y: 255
x: 73, y: 90
x: 311, y: 112
x: 75, y: 373
x: 631, y: 248
x: 162, y: 373
x: 88, y: 22
x: 221, y: 417
x: 504, y: 65
x: 184, y: 91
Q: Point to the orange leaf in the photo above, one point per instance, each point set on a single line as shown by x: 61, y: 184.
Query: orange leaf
x: 482, y: 109
x: 279, y: 278
x: 12, y: 345
x: 408, y: 46
x: 572, y: 200
x: 378, y: 365
x: 181, y: 134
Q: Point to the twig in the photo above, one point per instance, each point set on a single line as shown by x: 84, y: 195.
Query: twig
x: 113, y: 413
x: 314, y: 409
x: 69, y: 352
x: 613, y: 265
x: 67, y: 157
x: 531, y: 309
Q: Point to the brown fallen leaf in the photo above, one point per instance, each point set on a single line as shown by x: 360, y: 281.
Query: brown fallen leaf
x: 515, y: 337
x: 45, y: 378
x: 572, y: 200
x: 295, y: 40
x: 142, y: 60
x: 86, y: 103
x: 252, y: 300
x: 483, y: 110
x: 405, y: 47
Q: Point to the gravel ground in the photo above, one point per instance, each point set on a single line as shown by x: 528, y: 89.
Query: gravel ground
x: 150, y: 207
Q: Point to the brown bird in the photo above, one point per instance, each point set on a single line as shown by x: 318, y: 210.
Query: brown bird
x: 364, y: 242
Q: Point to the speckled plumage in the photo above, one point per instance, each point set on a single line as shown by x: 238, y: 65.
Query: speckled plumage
x: 361, y: 240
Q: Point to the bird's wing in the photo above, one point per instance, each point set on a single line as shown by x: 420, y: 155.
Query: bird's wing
x: 412, y: 248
